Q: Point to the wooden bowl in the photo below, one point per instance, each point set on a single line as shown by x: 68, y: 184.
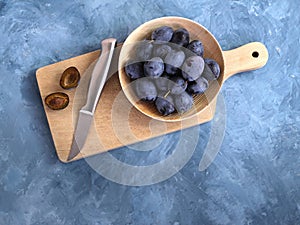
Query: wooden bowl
x: 212, y: 50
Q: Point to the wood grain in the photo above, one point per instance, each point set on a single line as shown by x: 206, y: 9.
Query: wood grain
x: 247, y: 57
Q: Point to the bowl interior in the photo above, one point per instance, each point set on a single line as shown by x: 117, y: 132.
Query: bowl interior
x: 211, y: 50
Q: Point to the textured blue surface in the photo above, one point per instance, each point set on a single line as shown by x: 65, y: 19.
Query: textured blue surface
x: 255, y: 179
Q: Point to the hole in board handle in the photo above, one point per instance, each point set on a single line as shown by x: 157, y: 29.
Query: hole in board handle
x: 255, y: 54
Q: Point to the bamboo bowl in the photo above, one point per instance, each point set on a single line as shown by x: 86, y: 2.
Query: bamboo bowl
x: 248, y: 57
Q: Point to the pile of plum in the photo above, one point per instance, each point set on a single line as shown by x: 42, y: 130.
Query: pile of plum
x: 169, y: 69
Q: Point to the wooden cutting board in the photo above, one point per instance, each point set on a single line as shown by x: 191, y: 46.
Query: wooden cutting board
x: 116, y: 122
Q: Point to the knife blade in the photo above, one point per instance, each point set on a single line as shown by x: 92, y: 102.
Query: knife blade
x: 86, y: 113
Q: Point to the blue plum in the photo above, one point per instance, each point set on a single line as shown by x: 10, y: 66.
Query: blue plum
x: 192, y: 68
x: 134, y: 70
x: 214, y: 67
x: 161, y: 50
x: 177, y: 85
x: 165, y: 105
x: 181, y: 37
x: 198, y: 87
x: 173, y: 61
x: 183, y: 102
x: 163, y: 33
x: 145, y: 89
x: 143, y: 50
x: 196, y: 47
x: 154, y: 67
x: 162, y: 82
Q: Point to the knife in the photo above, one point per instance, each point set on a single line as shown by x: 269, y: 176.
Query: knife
x: 86, y: 113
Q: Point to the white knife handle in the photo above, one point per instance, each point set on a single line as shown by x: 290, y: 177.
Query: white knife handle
x: 99, y: 75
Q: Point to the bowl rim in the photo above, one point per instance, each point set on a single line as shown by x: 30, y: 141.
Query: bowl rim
x: 121, y: 66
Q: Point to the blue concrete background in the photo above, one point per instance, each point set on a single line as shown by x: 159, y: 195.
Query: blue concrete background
x: 255, y: 178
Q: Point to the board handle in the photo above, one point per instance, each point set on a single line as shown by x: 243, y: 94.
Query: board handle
x: 247, y: 57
